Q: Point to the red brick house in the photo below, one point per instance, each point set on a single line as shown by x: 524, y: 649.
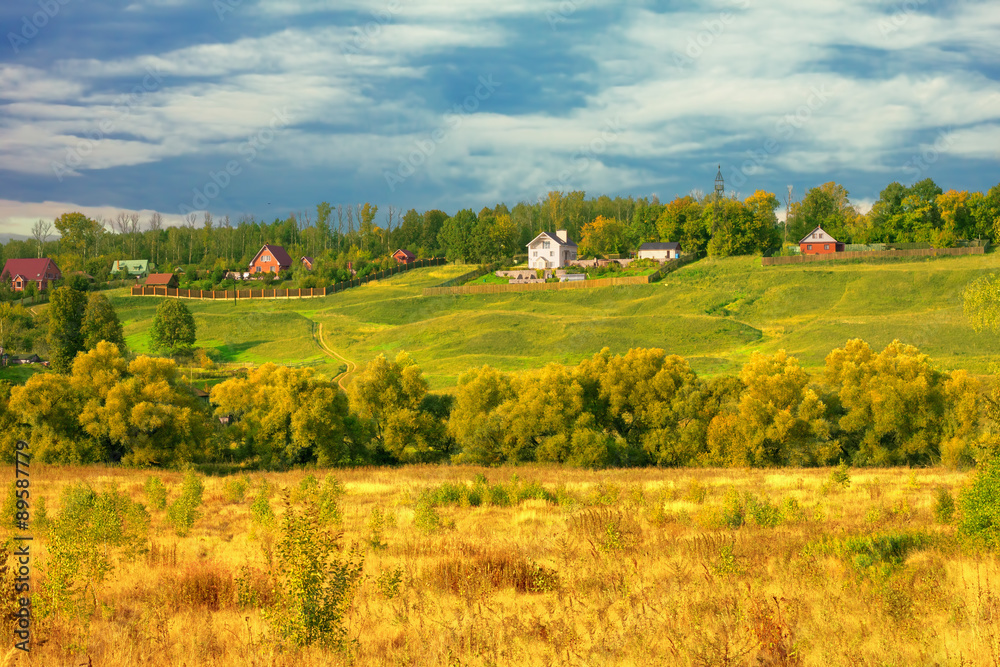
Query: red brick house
x: 22, y: 272
x: 404, y: 256
x: 162, y: 280
x: 818, y: 242
x: 270, y: 259
x: 308, y: 263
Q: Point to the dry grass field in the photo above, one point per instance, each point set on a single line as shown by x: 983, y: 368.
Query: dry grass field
x: 566, y: 567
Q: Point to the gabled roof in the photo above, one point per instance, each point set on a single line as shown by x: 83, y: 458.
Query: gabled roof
x: 31, y: 269
x: 310, y: 260
x: 277, y: 252
x: 130, y: 265
x: 159, y: 278
x: 672, y: 245
x: 818, y: 228
x: 406, y: 253
x: 552, y: 237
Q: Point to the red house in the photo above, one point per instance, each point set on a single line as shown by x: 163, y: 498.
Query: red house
x: 270, y: 259
x: 308, y: 263
x: 404, y: 256
x: 818, y: 242
x: 22, y: 272
x: 162, y: 280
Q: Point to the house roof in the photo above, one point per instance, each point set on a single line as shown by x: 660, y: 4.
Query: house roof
x: 818, y: 228
x: 277, y: 252
x: 130, y: 265
x: 159, y: 278
x: 32, y: 269
x: 672, y: 245
x: 406, y: 253
x: 310, y: 260
x: 551, y: 236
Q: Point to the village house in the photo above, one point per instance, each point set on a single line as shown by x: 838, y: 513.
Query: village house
x: 551, y: 251
x: 818, y: 242
x: 270, y: 259
x: 404, y: 256
x: 659, y: 251
x: 22, y: 272
x: 138, y: 268
x: 162, y: 280
x: 308, y: 263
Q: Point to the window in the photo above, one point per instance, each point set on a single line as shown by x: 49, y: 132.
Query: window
x: 534, y: 254
x: 266, y: 258
x: 826, y: 247
x: 809, y: 247
x: 545, y: 245
x: 551, y: 253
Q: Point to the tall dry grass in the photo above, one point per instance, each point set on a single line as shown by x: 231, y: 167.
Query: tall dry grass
x: 632, y: 567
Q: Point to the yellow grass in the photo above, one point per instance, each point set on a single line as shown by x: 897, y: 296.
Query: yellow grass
x: 673, y: 591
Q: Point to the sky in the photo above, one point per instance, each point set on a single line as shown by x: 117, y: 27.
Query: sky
x: 268, y: 107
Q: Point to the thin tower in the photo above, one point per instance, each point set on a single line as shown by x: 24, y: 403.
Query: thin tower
x: 720, y: 185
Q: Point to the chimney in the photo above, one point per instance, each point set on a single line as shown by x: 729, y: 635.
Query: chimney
x: 563, y: 236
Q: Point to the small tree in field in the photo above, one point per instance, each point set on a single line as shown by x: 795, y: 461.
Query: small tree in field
x: 100, y: 322
x: 173, y: 326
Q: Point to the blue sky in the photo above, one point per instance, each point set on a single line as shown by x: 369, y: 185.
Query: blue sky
x: 267, y: 107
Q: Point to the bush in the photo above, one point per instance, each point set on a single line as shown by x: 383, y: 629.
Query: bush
x: 980, y: 506
x: 183, y: 512
x: 944, y: 505
x: 840, y: 475
x: 261, y: 513
x: 315, y: 587
x: 236, y: 489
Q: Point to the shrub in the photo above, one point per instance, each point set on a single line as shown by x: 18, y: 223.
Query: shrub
x: 328, y: 499
x: 944, y: 505
x: 315, y: 587
x: 377, y: 523
x: 980, y: 506
x: 840, y: 475
x: 236, y: 489
x: 91, y: 533
x: 261, y: 513
x: 156, y: 493
x: 183, y: 512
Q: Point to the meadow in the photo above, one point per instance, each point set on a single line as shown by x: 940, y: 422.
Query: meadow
x: 549, y: 566
x: 714, y: 312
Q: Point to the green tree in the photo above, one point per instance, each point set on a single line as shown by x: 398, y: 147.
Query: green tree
x: 100, y: 322
x: 826, y: 205
x: 391, y: 396
x: 65, y: 338
x: 288, y: 416
x: 173, y: 326
x: 78, y: 233
x: 16, y: 328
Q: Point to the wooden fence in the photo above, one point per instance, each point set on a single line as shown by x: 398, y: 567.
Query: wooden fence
x: 668, y: 267
x: 292, y: 293
x: 930, y: 252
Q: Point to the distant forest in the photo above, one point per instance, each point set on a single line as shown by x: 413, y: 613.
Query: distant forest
x: 364, y: 235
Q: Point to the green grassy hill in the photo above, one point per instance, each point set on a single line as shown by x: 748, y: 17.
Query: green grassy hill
x: 715, y: 312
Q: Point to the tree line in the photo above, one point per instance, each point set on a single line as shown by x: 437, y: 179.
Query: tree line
x: 644, y: 407
x: 360, y: 237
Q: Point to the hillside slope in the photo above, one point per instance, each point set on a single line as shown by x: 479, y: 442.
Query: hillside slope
x: 715, y: 312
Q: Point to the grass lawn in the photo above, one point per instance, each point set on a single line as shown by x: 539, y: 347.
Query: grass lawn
x: 19, y: 374
x: 714, y: 312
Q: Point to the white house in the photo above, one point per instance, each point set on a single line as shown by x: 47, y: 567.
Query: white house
x: 659, y: 251
x: 551, y: 251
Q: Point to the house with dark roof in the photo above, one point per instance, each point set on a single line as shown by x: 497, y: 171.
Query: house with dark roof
x: 308, y: 263
x: 819, y: 242
x: 162, y: 280
x: 659, y: 251
x: 270, y: 259
x: 404, y: 256
x: 551, y: 251
x: 22, y: 272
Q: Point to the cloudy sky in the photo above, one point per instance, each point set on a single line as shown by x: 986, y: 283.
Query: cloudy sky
x: 265, y: 107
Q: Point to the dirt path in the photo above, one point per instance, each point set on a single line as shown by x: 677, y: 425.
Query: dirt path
x: 351, y: 366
